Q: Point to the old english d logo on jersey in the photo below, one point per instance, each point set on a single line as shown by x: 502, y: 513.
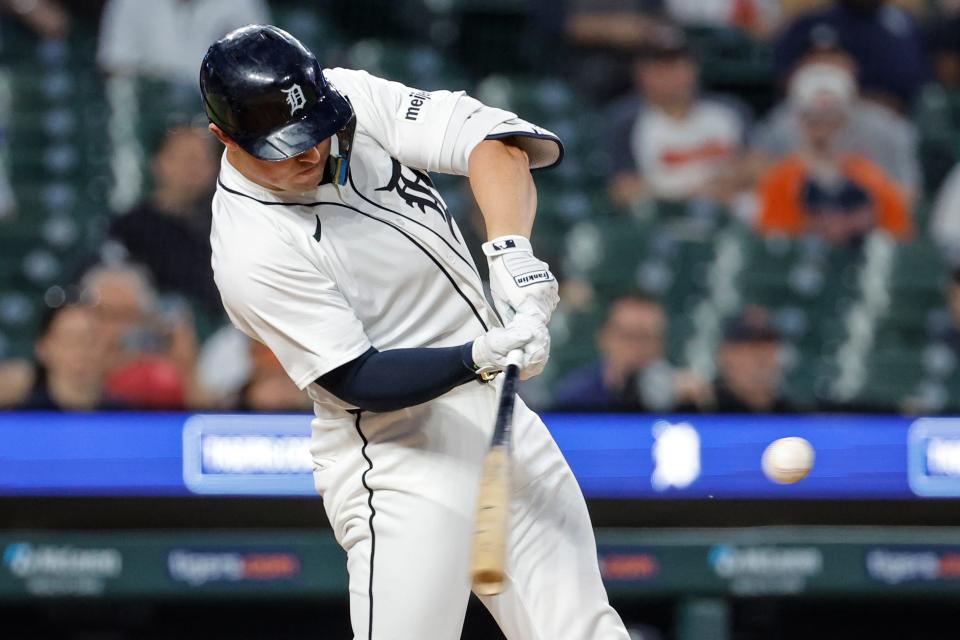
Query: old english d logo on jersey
x: 316, y: 234
x: 295, y: 98
x: 416, y: 189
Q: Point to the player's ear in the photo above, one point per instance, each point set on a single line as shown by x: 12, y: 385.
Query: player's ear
x: 222, y: 137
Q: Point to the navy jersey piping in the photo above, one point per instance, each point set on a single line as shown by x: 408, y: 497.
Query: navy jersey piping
x: 537, y: 136
x: 453, y: 283
x: 373, y: 513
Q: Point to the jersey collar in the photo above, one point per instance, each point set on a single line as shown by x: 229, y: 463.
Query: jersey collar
x: 236, y: 181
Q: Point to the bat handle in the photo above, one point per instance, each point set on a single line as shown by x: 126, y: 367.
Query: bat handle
x: 514, y: 358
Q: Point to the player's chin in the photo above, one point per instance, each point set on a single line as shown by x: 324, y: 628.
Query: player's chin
x: 308, y: 180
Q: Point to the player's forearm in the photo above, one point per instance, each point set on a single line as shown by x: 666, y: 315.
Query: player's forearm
x: 399, y: 378
x: 503, y: 188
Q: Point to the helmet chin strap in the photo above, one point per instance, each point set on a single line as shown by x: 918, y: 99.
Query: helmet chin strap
x: 340, y: 149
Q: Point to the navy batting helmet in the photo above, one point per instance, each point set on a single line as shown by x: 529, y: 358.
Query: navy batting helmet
x: 267, y: 92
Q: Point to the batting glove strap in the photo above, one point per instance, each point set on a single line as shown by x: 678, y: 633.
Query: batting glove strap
x: 466, y: 356
x: 506, y: 244
x: 518, y: 279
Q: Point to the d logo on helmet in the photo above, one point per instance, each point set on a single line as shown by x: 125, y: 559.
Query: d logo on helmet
x: 295, y: 98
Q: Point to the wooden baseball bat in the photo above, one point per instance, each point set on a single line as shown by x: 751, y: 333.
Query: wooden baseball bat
x: 488, y: 568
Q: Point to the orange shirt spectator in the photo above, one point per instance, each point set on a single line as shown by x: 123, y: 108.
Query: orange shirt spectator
x: 820, y: 189
x: 861, y: 199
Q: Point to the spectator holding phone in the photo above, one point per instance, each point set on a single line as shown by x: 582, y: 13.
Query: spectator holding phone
x: 150, y: 356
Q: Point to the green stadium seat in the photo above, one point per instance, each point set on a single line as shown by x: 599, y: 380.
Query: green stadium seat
x: 421, y: 66
x: 938, y: 122
x: 893, y: 374
x: 316, y: 31
x: 573, y: 336
x: 734, y: 63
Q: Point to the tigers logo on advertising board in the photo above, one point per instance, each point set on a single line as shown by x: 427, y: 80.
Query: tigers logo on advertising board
x: 628, y: 566
x: 198, y: 568
x: 896, y: 566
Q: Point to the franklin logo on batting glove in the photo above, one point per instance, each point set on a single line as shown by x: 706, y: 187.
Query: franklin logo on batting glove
x: 532, y: 278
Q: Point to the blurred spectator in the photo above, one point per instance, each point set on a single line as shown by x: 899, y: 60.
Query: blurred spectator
x: 150, y: 357
x: 793, y: 8
x: 169, y: 232
x: 148, y: 382
x: 603, y: 36
x: 46, y: 18
x: 123, y: 300
x: 820, y: 189
x: 632, y: 374
x: 883, y: 39
x: 166, y: 39
x: 70, y: 366
x: 750, y: 367
x: 951, y: 335
x: 16, y: 379
x: 269, y: 388
x: 667, y: 141
x: 758, y: 18
x: 945, y: 218
x: 943, y: 43
x: 872, y: 130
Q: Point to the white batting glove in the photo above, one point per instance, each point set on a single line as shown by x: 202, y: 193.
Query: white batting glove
x: 489, y: 351
x: 518, y: 277
x: 537, y: 351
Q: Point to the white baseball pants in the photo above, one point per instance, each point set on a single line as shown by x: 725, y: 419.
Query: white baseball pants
x: 400, y: 490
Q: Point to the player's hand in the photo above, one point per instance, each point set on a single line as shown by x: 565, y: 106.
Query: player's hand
x: 490, y: 350
x: 518, y: 277
x: 537, y: 351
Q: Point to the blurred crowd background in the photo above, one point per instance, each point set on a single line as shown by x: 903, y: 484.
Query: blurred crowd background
x: 758, y: 211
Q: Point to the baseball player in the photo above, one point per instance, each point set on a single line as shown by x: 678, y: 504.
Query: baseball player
x: 333, y: 248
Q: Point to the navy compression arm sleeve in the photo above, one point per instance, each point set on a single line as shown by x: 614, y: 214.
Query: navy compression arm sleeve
x: 399, y: 378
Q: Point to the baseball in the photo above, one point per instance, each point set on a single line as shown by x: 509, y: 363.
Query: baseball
x: 787, y: 460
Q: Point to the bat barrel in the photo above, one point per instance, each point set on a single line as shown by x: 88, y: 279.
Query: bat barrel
x: 490, y: 534
x: 488, y: 582
x: 488, y: 568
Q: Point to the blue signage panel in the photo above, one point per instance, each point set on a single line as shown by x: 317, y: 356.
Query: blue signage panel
x: 247, y: 454
x: 719, y: 456
x: 613, y: 456
x: 65, y: 454
x: 933, y: 457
